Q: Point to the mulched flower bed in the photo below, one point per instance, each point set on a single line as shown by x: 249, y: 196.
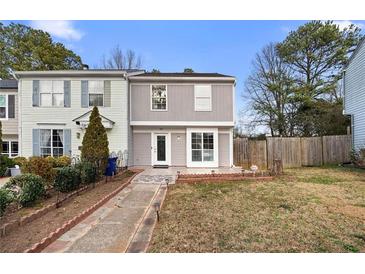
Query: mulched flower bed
x: 25, y: 236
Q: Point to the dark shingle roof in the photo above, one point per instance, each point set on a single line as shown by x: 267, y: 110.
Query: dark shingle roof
x: 181, y: 74
x: 8, y: 84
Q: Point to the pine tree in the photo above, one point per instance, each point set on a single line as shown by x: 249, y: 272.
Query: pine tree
x: 95, y: 144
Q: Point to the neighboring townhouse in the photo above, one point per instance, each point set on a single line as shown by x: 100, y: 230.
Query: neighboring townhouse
x: 181, y: 119
x: 353, y: 86
x: 55, y: 107
x: 9, y: 117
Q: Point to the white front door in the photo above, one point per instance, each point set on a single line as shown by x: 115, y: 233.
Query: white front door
x: 161, y: 154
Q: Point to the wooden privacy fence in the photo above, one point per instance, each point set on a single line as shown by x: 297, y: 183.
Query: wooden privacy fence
x: 293, y: 151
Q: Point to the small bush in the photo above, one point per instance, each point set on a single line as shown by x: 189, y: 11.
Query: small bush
x: 67, y: 179
x: 63, y: 161
x: 56, y: 162
x: 40, y: 166
x: 357, y: 157
x: 6, y: 197
x: 5, y: 162
x: 20, y: 161
x: 87, y: 172
x: 31, y: 188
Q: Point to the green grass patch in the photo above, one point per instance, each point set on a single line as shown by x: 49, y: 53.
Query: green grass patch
x: 320, y: 179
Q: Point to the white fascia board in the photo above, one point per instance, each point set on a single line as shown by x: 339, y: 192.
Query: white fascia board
x: 70, y: 73
x: 183, y: 78
x: 183, y: 123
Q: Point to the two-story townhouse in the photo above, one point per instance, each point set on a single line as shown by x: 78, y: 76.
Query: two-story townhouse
x: 181, y: 119
x: 55, y: 107
x: 9, y: 117
x: 353, y: 86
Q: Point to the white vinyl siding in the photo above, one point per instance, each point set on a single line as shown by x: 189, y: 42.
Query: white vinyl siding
x: 354, y: 89
x: 61, y: 118
x: 203, y: 97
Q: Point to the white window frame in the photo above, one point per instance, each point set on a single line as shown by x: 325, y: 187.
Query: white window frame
x: 10, y: 149
x: 51, y: 147
x: 6, y: 108
x: 202, y: 163
x: 102, y: 92
x: 202, y: 97
x: 166, y: 109
x: 51, y: 92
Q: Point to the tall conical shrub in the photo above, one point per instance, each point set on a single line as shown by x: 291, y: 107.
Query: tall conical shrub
x: 95, y: 145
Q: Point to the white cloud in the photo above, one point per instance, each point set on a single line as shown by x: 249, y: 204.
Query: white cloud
x: 58, y: 28
x: 342, y: 24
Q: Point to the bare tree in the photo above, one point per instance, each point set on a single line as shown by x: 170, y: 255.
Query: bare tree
x: 117, y: 59
x: 270, y: 89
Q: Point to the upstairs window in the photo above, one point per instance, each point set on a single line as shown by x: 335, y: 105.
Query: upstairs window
x: 158, y: 97
x: 3, y: 108
x: 51, y: 93
x: 203, y: 97
x: 96, y: 93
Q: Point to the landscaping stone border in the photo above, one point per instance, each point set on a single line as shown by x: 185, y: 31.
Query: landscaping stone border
x: 8, y: 227
x: 38, y: 247
x: 192, y: 178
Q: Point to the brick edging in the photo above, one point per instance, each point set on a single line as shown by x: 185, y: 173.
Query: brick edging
x: 220, y: 178
x: 38, y: 247
x: 10, y: 226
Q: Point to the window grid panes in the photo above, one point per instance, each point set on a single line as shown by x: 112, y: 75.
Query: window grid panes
x: 10, y: 148
x: 3, y: 106
x: 159, y: 97
x: 96, y: 93
x: 51, y: 142
x: 202, y: 147
x: 51, y: 93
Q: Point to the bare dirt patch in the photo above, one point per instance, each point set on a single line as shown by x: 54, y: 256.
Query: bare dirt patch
x: 24, y: 237
x: 306, y: 210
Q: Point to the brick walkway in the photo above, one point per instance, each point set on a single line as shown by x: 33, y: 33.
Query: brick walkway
x: 124, y: 224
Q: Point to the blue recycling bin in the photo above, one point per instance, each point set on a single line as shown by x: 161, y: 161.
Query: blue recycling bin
x: 111, y: 168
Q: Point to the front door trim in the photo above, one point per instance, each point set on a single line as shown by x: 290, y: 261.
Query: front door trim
x: 154, y: 148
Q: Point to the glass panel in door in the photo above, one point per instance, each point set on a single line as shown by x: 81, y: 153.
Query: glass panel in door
x: 161, y: 148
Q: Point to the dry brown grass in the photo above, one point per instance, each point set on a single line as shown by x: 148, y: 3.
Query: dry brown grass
x: 306, y: 210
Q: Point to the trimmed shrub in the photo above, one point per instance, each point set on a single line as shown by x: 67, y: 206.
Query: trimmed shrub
x: 67, y: 179
x: 5, y: 162
x: 6, y: 197
x: 31, y: 188
x: 40, y: 166
x: 63, y: 161
x: 87, y: 172
x: 20, y: 161
x: 59, y: 161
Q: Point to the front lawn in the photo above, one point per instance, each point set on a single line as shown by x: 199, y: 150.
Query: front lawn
x: 306, y: 210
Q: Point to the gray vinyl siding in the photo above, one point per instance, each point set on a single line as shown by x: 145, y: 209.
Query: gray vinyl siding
x: 178, y: 149
x: 224, y: 148
x: 354, y: 87
x: 142, y: 149
x: 180, y: 104
x: 10, y: 125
